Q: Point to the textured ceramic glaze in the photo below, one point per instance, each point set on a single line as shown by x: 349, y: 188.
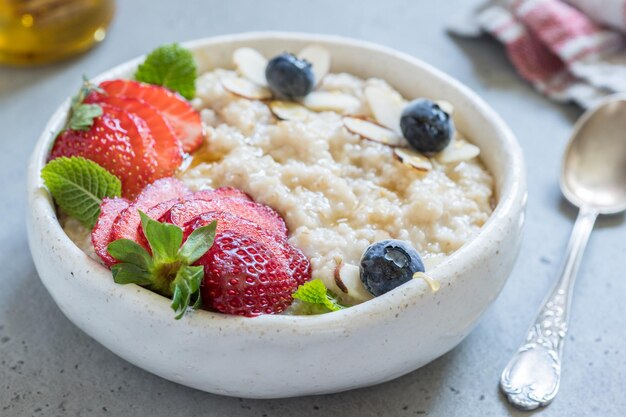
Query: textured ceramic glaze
x: 282, y: 356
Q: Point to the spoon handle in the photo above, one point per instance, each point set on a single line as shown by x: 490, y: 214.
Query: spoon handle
x: 532, y: 376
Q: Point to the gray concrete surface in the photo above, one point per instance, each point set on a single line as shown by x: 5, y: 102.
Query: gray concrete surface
x: 50, y: 368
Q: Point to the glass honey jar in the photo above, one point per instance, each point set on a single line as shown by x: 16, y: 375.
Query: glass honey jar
x: 41, y: 31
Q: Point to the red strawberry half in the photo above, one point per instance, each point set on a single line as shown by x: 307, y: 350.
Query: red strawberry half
x: 163, y: 144
x: 128, y: 222
x: 291, y: 259
x: 260, y: 214
x: 117, y: 142
x: 242, y: 274
x: 242, y: 277
x: 183, y: 119
x: 101, y: 233
x: 231, y: 192
x: 299, y: 265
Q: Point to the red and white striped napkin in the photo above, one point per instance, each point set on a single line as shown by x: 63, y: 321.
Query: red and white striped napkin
x: 572, y: 50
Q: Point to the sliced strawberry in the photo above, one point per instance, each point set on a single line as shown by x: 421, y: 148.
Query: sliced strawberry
x: 161, y: 210
x: 299, y: 265
x: 183, y: 119
x: 127, y: 223
x: 164, y: 145
x: 242, y: 277
x: 117, y: 142
x: 293, y: 260
x: 101, y: 233
x: 242, y: 274
x: 221, y: 192
x: 260, y: 214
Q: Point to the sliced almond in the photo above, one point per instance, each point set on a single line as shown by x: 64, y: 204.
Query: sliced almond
x: 433, y: 284
x: 251, y: 64
x: 331, y: 101
x: 445, y: 106
x: 386, y: 105
x: 413, y: 159
x: 319, y: 57
x: 458, y: 151
x: 287, y: 110
x: 372, y: 131
x: 245, y: 88
x: 348, y: 279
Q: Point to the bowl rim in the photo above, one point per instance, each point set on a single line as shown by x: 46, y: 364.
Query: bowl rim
x: 512, y: 191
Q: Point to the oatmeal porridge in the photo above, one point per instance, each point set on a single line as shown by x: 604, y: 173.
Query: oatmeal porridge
x: 337, y: 192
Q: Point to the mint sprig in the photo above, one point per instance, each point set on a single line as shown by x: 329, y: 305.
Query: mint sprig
x: 170, y: 66
x: 169, y: 270
x: 315, y: 292
x: 81, y: 114
x: 78, y: 186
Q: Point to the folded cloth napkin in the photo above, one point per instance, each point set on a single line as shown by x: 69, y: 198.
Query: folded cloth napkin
x: 572, y: 50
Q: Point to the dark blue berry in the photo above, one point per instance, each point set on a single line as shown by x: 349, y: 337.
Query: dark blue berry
x: 388, y: 264
x: 426, y: 126
x: 289, y: 77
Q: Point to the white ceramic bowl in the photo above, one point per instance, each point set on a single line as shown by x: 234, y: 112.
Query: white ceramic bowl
x: 282, y: 356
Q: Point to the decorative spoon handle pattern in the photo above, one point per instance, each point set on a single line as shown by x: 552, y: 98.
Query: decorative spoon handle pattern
x: 532, y: 376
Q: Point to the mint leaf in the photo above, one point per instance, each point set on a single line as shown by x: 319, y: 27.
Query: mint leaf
x: 170, y: 66
x: 315, y: 292
x: 126, y: 273
x: 78, y: 186
x: 83, y: 115
x: 164, y: 239
x: 128, y: 251
x: 198, y: 243
x: 186, y: 289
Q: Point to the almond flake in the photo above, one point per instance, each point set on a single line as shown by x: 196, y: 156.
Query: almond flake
x: 319, y: 57
x: 331, y: 101
x: 446, y: 106
x: 348, y: 279
x: 287, y: 110
x: 458, y: 151
x: 432, y: 283
x: 386, y: 105
x: 245, y: 88
x: 370, y: 130
x: 413, y: 159
x: 251, y: 64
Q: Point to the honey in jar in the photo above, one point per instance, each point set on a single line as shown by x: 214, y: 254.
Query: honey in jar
x: 40, y: 31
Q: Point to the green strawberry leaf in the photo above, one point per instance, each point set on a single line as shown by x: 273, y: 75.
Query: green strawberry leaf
x: 170, y: 66
x: 315, y: 292
x: 169, y: 270
x: 198, y: 243
x: 82, y: 115
x: 186, y: 289
x: 128, y: 251
x: 126, y: 273
x: 78, y: 186
x: 164, y: 239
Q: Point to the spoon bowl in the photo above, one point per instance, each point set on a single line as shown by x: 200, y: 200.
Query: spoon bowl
x: 594, y: 166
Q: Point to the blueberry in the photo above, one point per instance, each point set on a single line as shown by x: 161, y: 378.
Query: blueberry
x: 426, y: 126
x: 387, y: 264
x: 289, y: 77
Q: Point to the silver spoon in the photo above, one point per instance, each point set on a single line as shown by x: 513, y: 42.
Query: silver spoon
x: 593, y: 177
